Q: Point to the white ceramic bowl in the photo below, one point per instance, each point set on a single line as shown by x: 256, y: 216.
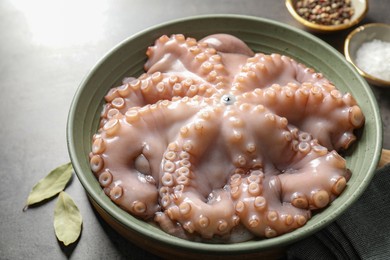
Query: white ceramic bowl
x: 360, y: 35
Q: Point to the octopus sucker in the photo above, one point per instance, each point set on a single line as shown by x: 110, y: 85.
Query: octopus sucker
x: 167, y: 180
x: 235, y: 192
x: 112, y: 127
x: 260, y: 203
x: 105, y: 178
x: 97, y: 163
x: 216, y: 143
x: 118, y: 102
x: 116, y: 192
x: 98, y: 146
x: 113, y: 93
x: 272, y: 216
x: 356, y: 116
x: 299, y: 200
x: 288, y: 219
x: 300, y: 220
x: 124, y: 90
x: 139, y: 207
x: 320, y: 199
x: 339, y: 185
x: 112, y: 113
x: 204, y: 222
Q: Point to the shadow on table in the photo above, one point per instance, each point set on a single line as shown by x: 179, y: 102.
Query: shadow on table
x: 125, y: 248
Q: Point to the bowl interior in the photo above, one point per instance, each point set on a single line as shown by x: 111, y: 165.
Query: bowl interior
x: 360, y: 35
x: 360, y: 10
x: 261, y: 35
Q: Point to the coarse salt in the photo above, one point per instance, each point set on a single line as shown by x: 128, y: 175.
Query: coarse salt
x: 374, y: 58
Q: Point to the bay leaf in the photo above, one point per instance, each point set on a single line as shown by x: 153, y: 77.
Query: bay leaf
x: 67, y: 219
x: 51, y: 185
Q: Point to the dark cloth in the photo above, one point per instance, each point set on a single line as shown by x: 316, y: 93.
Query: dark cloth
x: 362, y: 232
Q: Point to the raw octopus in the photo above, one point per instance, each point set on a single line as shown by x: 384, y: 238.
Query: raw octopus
x: 216, y: 143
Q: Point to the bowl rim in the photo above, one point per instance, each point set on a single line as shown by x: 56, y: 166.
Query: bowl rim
x: 348, y: 56
x: 325, y: 28
x: 236, y: 248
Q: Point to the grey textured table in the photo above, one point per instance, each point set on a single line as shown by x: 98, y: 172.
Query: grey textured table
x: 46, y: 48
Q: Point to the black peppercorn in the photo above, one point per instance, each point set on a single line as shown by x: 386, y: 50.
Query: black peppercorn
x: 325, y: 12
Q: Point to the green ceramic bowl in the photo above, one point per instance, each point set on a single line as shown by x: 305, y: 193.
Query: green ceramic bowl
x: 261, y: 35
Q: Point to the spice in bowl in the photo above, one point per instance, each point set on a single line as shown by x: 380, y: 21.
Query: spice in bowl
x: 325, y: 12
x: 373, y: 58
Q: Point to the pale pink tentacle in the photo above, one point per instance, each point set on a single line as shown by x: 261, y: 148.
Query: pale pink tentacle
x: 194, y: 195
x: 127, y: 163
x: 322, y: 111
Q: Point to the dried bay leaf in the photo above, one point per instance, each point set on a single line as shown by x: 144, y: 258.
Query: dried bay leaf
x: 51, y: 185
x: 67, y: 219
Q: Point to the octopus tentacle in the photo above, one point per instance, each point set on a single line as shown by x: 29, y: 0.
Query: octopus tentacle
x: 227, y: 44
x: 170, y: 226
x: 322, y: 111
x: 328, y: 176
x: 268, y: 139
x: 115, y: 177
x: 119, y: 168
x: 205, y: 210
x: 188, y: 58
x: 256, y: 196
x: 264, y: 215
x: 262, y: 71
x: 151, y: 89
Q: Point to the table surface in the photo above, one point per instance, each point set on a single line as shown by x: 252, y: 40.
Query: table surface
x: 46, y: 49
